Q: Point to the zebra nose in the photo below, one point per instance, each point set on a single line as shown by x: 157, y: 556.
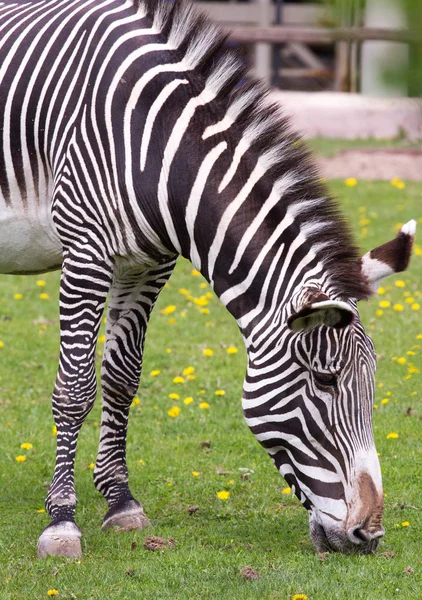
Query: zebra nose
x: 362, y: 535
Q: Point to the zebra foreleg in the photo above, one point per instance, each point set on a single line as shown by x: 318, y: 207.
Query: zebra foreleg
x: 132, y: 298
x: 83, y: 291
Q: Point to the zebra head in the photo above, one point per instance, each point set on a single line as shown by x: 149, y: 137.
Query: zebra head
x: 308, y: 400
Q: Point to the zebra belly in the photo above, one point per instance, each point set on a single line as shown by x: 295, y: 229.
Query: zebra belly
x: 28, y: 245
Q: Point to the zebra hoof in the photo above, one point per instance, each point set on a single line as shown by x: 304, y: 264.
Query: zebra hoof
x: 126, y: 518
x: 62, y: 539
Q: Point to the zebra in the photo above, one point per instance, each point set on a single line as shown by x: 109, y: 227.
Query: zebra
x: 130, y: 136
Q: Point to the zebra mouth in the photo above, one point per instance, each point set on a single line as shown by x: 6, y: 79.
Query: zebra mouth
x: 330, y: 540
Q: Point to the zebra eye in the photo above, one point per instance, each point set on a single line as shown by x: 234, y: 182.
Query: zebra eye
x: 325, y: 379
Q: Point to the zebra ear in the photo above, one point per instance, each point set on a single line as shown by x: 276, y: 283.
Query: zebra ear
x: 391, y: 257
x: 318, y: 310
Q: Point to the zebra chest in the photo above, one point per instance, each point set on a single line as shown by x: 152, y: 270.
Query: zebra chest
x: 28, y: 244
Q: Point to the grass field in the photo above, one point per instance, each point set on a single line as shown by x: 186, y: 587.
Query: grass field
x: 257, y: 525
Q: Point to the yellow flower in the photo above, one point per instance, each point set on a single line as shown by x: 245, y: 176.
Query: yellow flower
x: 401, y: 360
x: 171, y: 321
x: 230, y: 482
x: 168, y: 310
x: 183, y: 291
x: 40, y: 283
x: 379, y: 313
x: 398, y: 183
x: 392, y: 436
x: 232, y: 350
x: 18, y: 296
x: 174, y: 412
x: 300, y: 597
x: 204, y: 405
x: 141, y: 461
x: 381, y: 291
x: 415, y: 306
x: 195, y: 473
x: 20, y: 458
x: 52, y: 592
x: 169, y: 350
x: 41, y: 510
x: 26, y: 446
x: 419, y: 336
x: 174, y: 396
x: 135, y: 401
x: 203, y: 285
x: 405, y: 524
x: 188, y: 371
x: 195, y: 273
x: 178, y: 379
x: 410, y: 300
x: 400, y: 283
x: 188, y: 400
x: 204, y: 311
x: 91, y: 466
x: 102, y: 339
x: 385, y: 401
x: 44, y: 296
x: 286, y: 490
x: 54, y: 430
x: 219, y: 393
x: 155, y: 372
x: 412, y: 369
x: 384, y: 304
x: 1, y: 344
x: 191, y: 377
x: 350, y: 182
x: 398, y: 307
x: 208, y: 352
x: 223, y: 495
x: 202, y: 301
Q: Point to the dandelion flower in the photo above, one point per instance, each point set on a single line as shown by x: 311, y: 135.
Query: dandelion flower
x: 405, y: 524
x: 188, y: 400
x: 91, y: 466
x: 385, y: 401
x: 52, y: 592
x: 155, y: 372
x: 40, y: 283
x: 26, y: 446
x: 219, y: 393
x: 195, y: 273
x: 174, y: 396
x: 286, y: 490
x: 381, y: 291
x: 384, y: 304
x: 168, y: 310
x: 191, y: 377
x: 1, y: 344
x: 400, y: 283
x: 195, y: 473
x: 204, y: 405
x: 188, y: 371
x: 300, y: 597
x: 41, y: 510
x: 415, y: 306
x: 174, y: 412
x: 223, y: 495
x: 398, y: 307
x: 208, y: 352
x: 169, y: 350
x: 232, y: 350
x: 379, y: 313
x: 401, y: 360
x: 54, y: 430
x: 18, y: 296
x: 178, y: 379
x: 44, y: 296
x: 350, y: 182
x: 184, y: 291
x: 171, y: 321
x: 20, y: 458
x: 392, y: 436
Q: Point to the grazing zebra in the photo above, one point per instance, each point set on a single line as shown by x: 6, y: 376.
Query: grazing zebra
x: 130, y: 136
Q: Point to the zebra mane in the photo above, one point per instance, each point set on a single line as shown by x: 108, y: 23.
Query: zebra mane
x: 245, y: 103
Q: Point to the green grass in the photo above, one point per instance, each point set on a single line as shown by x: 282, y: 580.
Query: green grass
x: 257, y: 525
x: 330, y: 147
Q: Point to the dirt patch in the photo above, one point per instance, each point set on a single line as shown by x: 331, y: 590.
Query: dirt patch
x: 249, y: 573
x: 376, y: 163
x: 158, y: 543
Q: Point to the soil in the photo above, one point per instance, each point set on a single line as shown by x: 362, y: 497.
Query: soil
x: 375, y: 163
